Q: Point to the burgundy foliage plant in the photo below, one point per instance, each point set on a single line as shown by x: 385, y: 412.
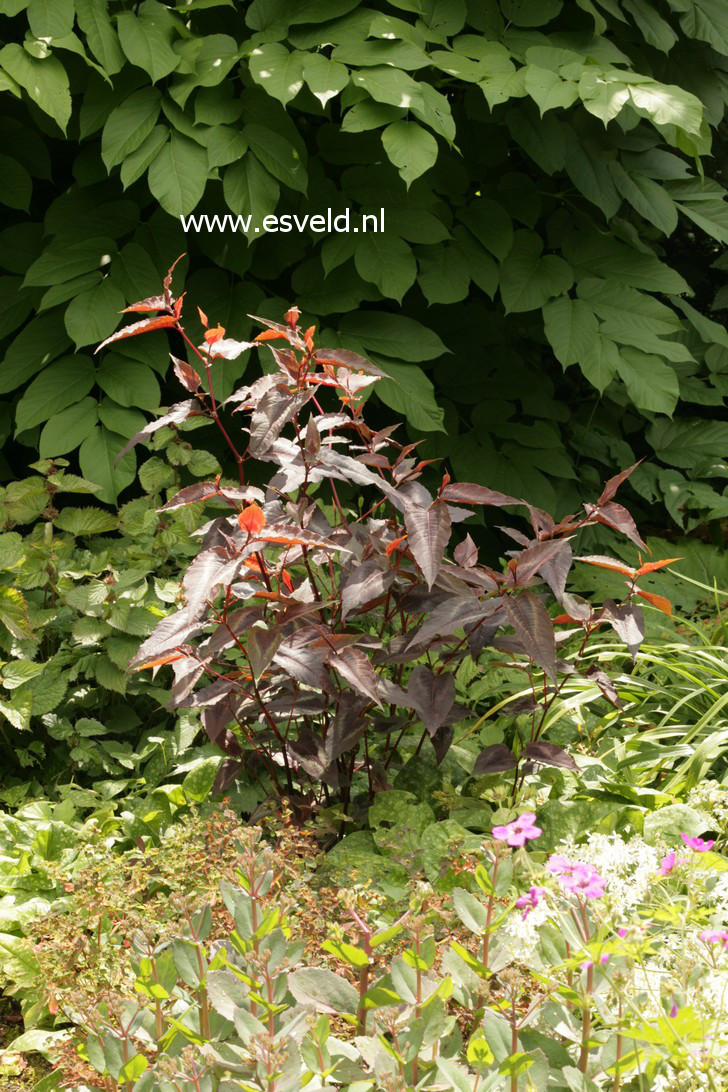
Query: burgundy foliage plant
x: 315, y: 637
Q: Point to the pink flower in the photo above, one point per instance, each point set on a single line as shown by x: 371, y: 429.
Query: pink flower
x: 622, y: 932
x: 674, y: 1010
x: 587, y: 964
x: 530, y: 900
x: 604, y: 959
x: 519, y: 831
x: 698, y: 844
x: 671, y: 861
x: 714, y: 936
x: 580, y: 879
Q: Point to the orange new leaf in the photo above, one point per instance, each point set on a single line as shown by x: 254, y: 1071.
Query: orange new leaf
x: 608, y: 563
x: 213, y: 335
x: 252, y: 519
x: 158, y: 663
x: 658, y: 601
x: 143, y: 327
x: 272, y: 335
x: 653, y: 566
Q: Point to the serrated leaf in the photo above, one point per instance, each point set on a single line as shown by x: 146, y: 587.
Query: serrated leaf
x: 86, y: 521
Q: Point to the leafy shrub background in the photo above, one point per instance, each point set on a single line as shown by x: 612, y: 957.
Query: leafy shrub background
x: 552, y: 250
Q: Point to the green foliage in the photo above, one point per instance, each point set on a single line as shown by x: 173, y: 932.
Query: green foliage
x: 547, y: 219
x: 79, y: 588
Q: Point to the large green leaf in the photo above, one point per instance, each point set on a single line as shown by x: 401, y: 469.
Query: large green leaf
x: 51, y: 18
x: 277, y: 70
x: 37, y: 344
x: 66, y: 430
x: 98, y: 455
x: 651, y: 383
x: 412, y: 394
x: 527, y: 278
x: 103, y: 41
x: 177, y: 175
x: 571, y: 327
x: 60, y: 385
x: 94, y: 314
x: 325, y: 78
x: 146, y: 39
x: 129, y: 124
x: 16, y: 184
x: 44, y: 80
x: 387, y: 261
x: 128, y: 382
x: 411, y: 148
x: 395, y: 336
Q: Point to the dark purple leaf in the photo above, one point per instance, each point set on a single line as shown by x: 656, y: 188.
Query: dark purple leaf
x: 628, y: 622
x: 539, y: 556
x: 469, y: 493
x: 605, y: 684
x: 186, y: 673
x: 361, y: 585
x: 576, y: 607
x: 441, y: 741
x: 261, y: 645
x: 466, y: 553
x: 618, y: 518
x: 614, y: 483
x: 175, y: 416
x: 548, y: 754
x: 301, y: 663
x: 227, y: 773
x: 355, y: 666
x: 431, y: 696
x: 191, y: 494
x: 496, y: 758
x: 348, y: 726
x: 428, y: 531
x: 531, y: 621
x: 556, y: 570
x: 209, y: 569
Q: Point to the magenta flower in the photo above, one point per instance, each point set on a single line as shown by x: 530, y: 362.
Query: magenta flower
x: 530, y: 900
x: 580, y: 879
x: 671, y: 861
x: 714, y: 936
x: 622, y: 932
x: 674, y: 1010
x: 604, y: 959
x: 519, y: 831
x: 698, y: 844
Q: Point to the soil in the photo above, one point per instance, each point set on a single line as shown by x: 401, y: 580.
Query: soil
x: 18, y: 1072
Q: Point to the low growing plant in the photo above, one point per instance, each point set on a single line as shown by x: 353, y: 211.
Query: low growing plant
x: 324, y: 622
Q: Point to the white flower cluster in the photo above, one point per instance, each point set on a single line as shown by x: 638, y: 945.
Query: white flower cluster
x: 629, y: 868
x: 711, y: 797
x: 519, y: 936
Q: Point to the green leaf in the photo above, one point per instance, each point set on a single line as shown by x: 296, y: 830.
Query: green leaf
x: 490, y: 224
x: 63, y: 261
x: 367, y: 115
x: 278, y: 155
x: 58, y: 386
x: 667, y: 105
x: 178, y: 174
x: 410, y: 148
x: 674, y: 820
x: 127, y: 422
x: 225, y: 145
x: 454, y: 1075
x: 41, y: 341
x: 604, y: 256
x: 14, y: 610
x: 136, y: 163
x: 97, y: 458
x: 528, y: 279
x: 706, y: 20
x: 651, y: 383
x: 588, y: 169
x: 66, y: 430
x: 600, y: 362
x: 684, y: 443
x: 548, y: 90
x: 16, y: 185
x: 444, y: 275
x: 395, y: 336
x: 51, y: 18
x: 45, y: 81
x: 705, y: 203
x: 390, y: 85
x: 250, y: 191
x: 18, y: 964
x: 649, y: 198
x: 326, y: 991
x: 277, y: 71
x: 129, y: 125
x: 146, y: 39
x: 634, y: 310
x: 325, y: 78
x: 102, y: 39
x: 387, y: 261
x: 86, y: 521
x: 26, y: 499
x: 470, y: 910
x: 412, y: 394
x: 94, y: 314
x: 571, y: 327
x: 129, y: 382
x: 656, y: 31
x: 530, y: 13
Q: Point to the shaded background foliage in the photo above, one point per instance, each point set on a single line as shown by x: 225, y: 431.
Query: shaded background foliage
x: 547, y: 294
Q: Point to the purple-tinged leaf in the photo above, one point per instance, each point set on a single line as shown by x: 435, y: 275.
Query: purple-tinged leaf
x: 301, y: 663
x: 354, y: 666
x: 228, y: 772
x: 466, y: 553
x: 628, y: 622
x: 391, y: 694
x: 348, y: 726
x: 186, y: 374
x: 534, y: 630
x: 576, y: 607
x: 496, y: 758
x: 228, y: 348
x: 361, y: 585
x: 261, y: 646
x: 614, y: 483
x: 548, y: 754
x: 469, y: 493
x: 209, y: 569
x: 276, y: 408
x: 178, y: 413
x: 556, y: 570
x: 618, y: 518
x: 347, y: 359
x: 431, y: 696
x: 428, y: 531
x: 191, y: 494
x: 601, y: 679
x: 167, y: 635
x: 538, y: 555
x: 186, y: 673
x: 442, y: 741
x: 312, y: 440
